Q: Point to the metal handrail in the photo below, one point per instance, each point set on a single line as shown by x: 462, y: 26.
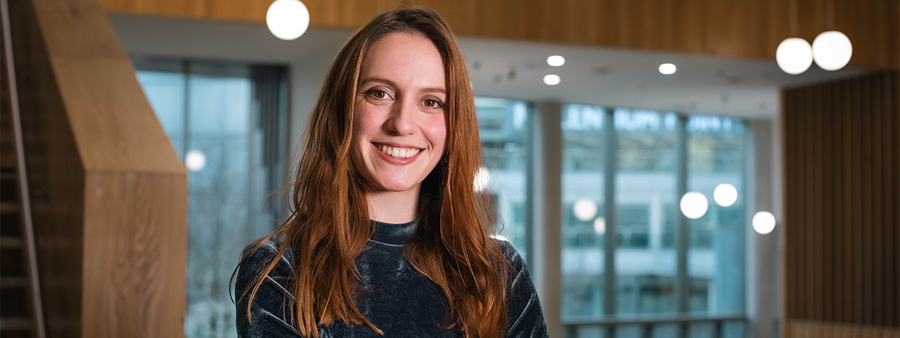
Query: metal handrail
x: 681, y: 319
x: 647, y: 324
x: 34, y: 286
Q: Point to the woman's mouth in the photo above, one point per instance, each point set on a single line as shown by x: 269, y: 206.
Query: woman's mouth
x: 397, y: 152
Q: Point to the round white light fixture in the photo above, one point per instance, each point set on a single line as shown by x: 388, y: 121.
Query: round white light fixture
x: 832, y: 50
x: 725, y: 194
x: 794, y: 55
x: 287, y: 19
x: 694, y: 205
x: 600, y: 225
x: 482, y: 179
x: 551, y: 79
x: 556, y: 60
x: 763, y: 222
x: 585, y: 209
x: 667, y: 68
x: 194, y: 160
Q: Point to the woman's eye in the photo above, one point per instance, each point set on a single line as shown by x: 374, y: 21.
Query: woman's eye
x: 378, y: 94
x: 433, y: 104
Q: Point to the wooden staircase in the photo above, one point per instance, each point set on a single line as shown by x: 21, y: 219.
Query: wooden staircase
x: 15, y: 310
x: 108, y: 193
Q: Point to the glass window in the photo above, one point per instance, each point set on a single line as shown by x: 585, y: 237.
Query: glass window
x: 645, y: 184
x: 647, y: 213
x: 502, y: 127
x: 583, y: 223
x: 235, y: 120
x: 716, y: 240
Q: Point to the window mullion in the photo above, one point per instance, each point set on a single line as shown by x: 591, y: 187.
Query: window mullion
x: 682, y: 281
x: 609, y: 207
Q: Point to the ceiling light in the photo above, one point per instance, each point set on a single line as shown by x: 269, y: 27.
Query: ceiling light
x: 287, y: 19
x: 194, y: 160
x: 551, y: 79
x: 694, y: 205
x: 667, y: 68
x: 832, y: 50
x: 763, y: 222
x: 794, y: 55
x: 725, y: 194
x: 585, y: 209
x: 600, y: 226
x: 556, y: 60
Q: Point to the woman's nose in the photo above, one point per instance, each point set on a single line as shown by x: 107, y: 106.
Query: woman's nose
x: 401, y: 120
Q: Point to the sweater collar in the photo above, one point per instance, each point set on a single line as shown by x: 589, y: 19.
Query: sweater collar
x: 391, y: 233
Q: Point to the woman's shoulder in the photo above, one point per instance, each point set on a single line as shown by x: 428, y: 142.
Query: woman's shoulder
x: 511, y: 254
x: 258, y: 254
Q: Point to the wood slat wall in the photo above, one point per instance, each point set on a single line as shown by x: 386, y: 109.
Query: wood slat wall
x: 108, y: 191
x: 732, y: 28
x: 807, y: 329
x: 842, y: 202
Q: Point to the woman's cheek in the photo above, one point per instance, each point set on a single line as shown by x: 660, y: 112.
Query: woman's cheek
x: 437, y: 130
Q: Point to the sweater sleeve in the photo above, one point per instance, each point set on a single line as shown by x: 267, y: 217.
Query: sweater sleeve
x: 526, y: 319
x: 270, y: 311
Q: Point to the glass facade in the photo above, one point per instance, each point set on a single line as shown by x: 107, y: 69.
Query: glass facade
x: 223, y: 120
x: 715, y: 148
x: 645, y: 186
x: 583, y: 229
x: 502, y: 127
x: 646, y: 206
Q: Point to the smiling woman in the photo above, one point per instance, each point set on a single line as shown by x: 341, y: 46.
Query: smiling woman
x: 399, y: 130
x: 387, y: 236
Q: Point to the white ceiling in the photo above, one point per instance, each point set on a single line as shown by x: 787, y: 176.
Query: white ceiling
x: 509, y: 69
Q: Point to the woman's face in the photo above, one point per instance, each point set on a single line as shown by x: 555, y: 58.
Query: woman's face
x: 399, y: 130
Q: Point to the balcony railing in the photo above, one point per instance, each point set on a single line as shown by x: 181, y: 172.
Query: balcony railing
x: 608, y: 327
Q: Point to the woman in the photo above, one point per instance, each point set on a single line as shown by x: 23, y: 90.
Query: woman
x: 386, y: 235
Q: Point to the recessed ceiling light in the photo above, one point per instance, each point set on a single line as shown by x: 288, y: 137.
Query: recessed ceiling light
x: 551, y: 79
x: 667, y: 68
x: 556, y: 60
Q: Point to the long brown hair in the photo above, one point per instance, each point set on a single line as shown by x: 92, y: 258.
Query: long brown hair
x: 329, y: 225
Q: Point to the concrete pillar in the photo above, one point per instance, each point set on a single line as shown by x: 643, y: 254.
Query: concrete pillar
x: 547, y: 148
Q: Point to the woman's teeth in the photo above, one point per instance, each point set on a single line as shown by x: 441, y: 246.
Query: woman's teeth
x: 398, y: 152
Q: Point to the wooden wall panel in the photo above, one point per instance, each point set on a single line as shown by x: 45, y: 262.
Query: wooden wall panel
x: 811, y: 329
x: 135, y: 273
x: 842, y: 196
x: 734, y: 28
x: 108, y: 191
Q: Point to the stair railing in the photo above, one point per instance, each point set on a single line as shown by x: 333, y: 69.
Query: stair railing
x: 28, y: 229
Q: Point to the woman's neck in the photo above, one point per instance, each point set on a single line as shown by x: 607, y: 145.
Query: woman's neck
x: 393, y: 206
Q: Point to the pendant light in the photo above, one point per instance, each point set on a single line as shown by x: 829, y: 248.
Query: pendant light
x: 794, y: 55
x: 832, y: 49
x: 287, y: 19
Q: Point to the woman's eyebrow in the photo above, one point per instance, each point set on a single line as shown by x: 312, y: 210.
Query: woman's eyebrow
x: 394, y: 84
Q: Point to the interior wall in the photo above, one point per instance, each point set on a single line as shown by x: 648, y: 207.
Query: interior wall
x: 842, y: 202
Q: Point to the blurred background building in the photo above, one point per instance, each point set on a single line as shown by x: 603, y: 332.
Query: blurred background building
x: 631, y: 147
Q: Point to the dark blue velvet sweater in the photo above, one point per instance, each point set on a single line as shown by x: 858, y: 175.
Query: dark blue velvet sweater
x: 398, y: 299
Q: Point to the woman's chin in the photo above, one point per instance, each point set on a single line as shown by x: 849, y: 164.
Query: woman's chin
x: 396, y: 186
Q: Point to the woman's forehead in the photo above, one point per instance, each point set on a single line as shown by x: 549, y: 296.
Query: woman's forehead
x: 405, y: 60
